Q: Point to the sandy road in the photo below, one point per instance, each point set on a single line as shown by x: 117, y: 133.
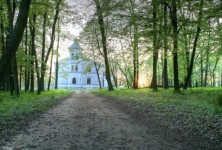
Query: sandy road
x: 89, y: 122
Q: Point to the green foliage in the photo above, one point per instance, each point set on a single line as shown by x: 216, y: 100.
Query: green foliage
x: 16, y: 109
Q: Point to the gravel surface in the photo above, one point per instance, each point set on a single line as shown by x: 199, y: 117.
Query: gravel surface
x: 89, y: 122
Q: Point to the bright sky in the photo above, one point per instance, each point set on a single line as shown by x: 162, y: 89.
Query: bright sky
x: 71, y: 32
x: 83, y: 10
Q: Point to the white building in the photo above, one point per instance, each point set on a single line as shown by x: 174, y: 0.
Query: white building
x: 77, y: 72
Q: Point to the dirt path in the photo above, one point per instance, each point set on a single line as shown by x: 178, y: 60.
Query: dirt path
x: 89, y: 122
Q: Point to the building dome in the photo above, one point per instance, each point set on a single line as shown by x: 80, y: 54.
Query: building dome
x: 75, y: 45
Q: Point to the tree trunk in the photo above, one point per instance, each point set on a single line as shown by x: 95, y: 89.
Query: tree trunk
x: 57, y: 60
x: 32, y: 76
x: 213, y: 71
x: 165, y: 63
x: 52, y: 39
x: 187, y: 55
x: 32, y: 33
x: 130, y: 74
x: 102, y: 30
x: 125, y: 75
x: 211, y: 74
x: 10, y: 16
x: 135, y: 58
x: 201, y: 69
x: 114, y: 73
x: 175, y: 46
x: 221, y: 77
x: 2, y: 45
x: 97, y: 73
x: 2, y: 36
x: 206, y: 69
x: 34, y: 51
x: 26, y: 61
x: 20, y: 77
x: 155, y: 49
x: 43, y: 54
x: 194, y: 45
x: 207, y: 57
x: 14, y: 38
x: 15, y: 76
x: 50, y: 71
x: 34, y: 56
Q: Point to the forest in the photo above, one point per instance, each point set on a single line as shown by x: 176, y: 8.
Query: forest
x: 161, y: 60
x: 159, y: 43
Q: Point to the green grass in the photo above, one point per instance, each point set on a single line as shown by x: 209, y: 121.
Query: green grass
x: 13, y: 110
x: 198, y: 99
x: 194, y: 109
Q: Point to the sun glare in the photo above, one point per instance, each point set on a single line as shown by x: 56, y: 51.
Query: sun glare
x: 144, y: 81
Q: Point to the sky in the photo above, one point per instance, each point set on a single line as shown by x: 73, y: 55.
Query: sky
x: 80, y: 11
x: 72, y: 32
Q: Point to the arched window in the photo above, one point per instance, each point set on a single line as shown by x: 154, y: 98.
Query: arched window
x: 74, y: 80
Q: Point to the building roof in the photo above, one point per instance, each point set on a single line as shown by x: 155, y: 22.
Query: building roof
x: 75, y: 45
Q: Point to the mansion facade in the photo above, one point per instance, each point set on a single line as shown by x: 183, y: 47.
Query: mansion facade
x: 77, y: 72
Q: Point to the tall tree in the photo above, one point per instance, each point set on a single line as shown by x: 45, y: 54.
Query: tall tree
x: 14, y: 38
x: 165, y: 62
x: 194, y: 45
x: 57, y: 58
x: 207, y: 54
x: 27, y: 69
x: 174, y: 22
x: 14, y: 88
x: 50, y: 71
x: 99, y: 12
x: 51, y: 45
x: 155, y: 48
x: 43, y: 52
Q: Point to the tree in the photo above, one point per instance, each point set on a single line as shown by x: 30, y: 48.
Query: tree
x: 14, y: 38
x: 43, y: 65
x: 135, y: 46
x: 99, y: 12
x: 174, y: 22
x: 165, y: 67
x: 51, y: 45
x: 155, y: 48
x: 57, y: 58
x: 194, y: 45
x: 14, y: 87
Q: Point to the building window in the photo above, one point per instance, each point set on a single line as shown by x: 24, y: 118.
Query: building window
x: 74, y: 68
x: 88, y: 80
x: 73, y: 80
x: 74, y: 56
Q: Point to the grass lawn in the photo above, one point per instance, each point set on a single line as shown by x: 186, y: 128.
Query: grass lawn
x: 195, y: 111
x: 15, y: 112
x: 197, y: 100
